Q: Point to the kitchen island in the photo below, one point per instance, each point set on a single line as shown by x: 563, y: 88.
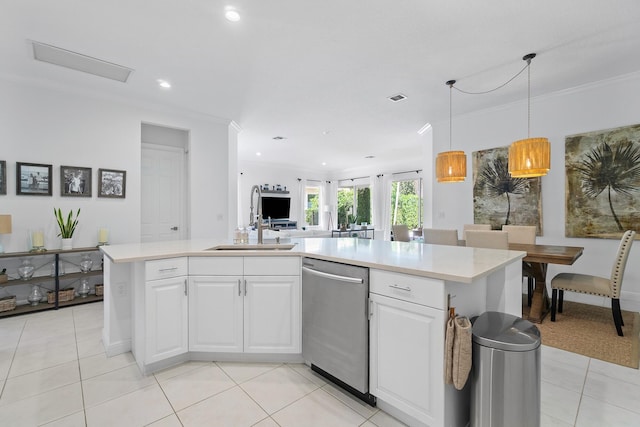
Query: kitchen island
x: 176, y: 301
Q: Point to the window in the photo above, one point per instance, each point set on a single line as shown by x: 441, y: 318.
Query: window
x: 312, y: 204
x: 354, y: 202
x: 407, y: 203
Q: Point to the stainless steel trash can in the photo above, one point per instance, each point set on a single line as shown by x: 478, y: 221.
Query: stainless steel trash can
x: 505, y: 387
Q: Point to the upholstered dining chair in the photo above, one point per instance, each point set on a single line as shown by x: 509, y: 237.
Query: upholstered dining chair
x: 594, y: 285
x: 440, y: 236
x: 487, y: 239
x: 400, y: 233
x: 465, y: 227
x: 524, y: 234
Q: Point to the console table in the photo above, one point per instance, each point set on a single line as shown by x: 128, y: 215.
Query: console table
x: 358, y: 232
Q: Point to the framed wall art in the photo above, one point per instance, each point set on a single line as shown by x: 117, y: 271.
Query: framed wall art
x: 499, y: 199
x: 3, y: 177
x: 33, y: 179
x: 112, y: 183
x: 75, y: 181
x: 602, y: 187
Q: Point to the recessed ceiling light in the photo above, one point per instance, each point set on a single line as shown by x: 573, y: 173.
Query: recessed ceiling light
x: 164, y: 84
x: 398, y: 97
x: 231, y: 14
x: 279, y: 138
x: 258, y: 154
x: 369, y: 157
x: 324, y: 163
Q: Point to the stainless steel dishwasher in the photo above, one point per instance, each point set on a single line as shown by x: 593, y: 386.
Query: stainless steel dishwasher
x: 335, y: 325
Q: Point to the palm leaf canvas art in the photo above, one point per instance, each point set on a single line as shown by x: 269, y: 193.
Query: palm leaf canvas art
x: 499, y: 199
x: 603, y: 183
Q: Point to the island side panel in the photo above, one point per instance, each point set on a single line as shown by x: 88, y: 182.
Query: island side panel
x: 116, y: 332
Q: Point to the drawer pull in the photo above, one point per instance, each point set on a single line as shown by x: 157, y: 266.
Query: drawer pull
x: 401, y: 288
x: 163, y: 270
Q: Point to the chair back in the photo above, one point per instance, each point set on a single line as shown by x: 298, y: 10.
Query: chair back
x: 621, y: 261
x: 439, y: 236
x: 487, y: 239
x: 400, y: 233
x: 523, y: 234
x: 465, y: 227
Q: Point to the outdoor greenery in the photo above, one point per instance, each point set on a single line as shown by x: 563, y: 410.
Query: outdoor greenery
x: 311, y: 212
x: 346, y: 214
x: 406, y: 203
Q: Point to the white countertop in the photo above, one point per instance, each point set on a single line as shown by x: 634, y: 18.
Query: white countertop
x: 456, y: 263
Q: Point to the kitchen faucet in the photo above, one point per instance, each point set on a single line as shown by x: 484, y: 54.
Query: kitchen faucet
x: 258, y: 222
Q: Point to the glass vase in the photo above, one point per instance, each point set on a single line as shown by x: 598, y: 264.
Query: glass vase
x: 26, y: 269
x: 35, y: 296
x: 84, y: 289
x: 86, y: 263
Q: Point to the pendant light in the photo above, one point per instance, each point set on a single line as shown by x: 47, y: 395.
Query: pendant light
x: 531, y: 157
x: 451, y: 166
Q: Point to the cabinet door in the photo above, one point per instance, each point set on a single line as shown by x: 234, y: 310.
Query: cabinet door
x: 215, y: 313
x: 406, y: 357
x: 166, y: 318
x: 272, y: 314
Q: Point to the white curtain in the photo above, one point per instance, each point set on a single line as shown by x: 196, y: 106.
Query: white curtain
x: 301, y: 204
x: 381, y: 191
x: 330, y: 205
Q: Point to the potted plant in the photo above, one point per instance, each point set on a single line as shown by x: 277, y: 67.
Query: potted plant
x: 66, y: 227
x: 3, y: 276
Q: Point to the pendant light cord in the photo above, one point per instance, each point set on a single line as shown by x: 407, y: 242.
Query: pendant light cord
x: 450, y: 83
x: 527, y: 58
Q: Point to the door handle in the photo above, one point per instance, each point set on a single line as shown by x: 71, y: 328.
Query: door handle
x: 185, y: 287
x: 174, y: 228
x: 239, y: 294
x: 245, y: 287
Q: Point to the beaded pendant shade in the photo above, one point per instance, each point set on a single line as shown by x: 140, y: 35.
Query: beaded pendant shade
x: 531, y: 157
x: 451, y: 166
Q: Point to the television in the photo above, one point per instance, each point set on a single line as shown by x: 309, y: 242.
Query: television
x: 276, y: 207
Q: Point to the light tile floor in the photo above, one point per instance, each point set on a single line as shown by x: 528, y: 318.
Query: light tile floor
x: 53, y: 372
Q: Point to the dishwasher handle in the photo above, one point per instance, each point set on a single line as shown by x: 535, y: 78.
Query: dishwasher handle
x: 333, y: 276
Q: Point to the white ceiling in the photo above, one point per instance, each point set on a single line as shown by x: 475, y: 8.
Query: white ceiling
x: 319, y: 72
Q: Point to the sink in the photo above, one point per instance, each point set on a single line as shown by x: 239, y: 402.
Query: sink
x: 253, y: 247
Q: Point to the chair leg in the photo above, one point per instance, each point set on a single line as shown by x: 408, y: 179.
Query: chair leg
x: 617, y: 315
x: 554, y: 300
x: 560, y: 301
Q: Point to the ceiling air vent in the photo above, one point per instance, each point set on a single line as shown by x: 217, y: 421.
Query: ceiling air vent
x: 76, y: 61
x: 397, y: 98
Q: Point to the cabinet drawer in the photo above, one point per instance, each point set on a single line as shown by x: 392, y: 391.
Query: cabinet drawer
x: 165, y: 268
x: 419, y: 290
x: 215, y: 266
x: 272, y: 266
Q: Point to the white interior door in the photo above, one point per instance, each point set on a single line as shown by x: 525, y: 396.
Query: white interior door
x: 163, y: 211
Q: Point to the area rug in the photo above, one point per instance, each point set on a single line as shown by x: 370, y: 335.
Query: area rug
x: 589, y: 330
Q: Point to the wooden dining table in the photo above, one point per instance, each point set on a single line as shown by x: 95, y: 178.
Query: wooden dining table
x: 536, y: 262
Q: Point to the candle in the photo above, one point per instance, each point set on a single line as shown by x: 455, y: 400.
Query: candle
x: 103, y: 235
x: 37, y: 239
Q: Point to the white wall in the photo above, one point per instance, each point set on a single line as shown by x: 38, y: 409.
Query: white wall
x: 600, y: 106
x: 41, y: 124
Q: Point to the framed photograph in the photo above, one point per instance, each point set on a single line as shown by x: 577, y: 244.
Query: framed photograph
x: 3, y: 177
x: 33, y: 179
x: 112, y: 183
x: 75, y: 181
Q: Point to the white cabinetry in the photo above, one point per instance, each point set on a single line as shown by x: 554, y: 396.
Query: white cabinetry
x: 165, y: 322
x: 406, y: 345
x: 237, y: 304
